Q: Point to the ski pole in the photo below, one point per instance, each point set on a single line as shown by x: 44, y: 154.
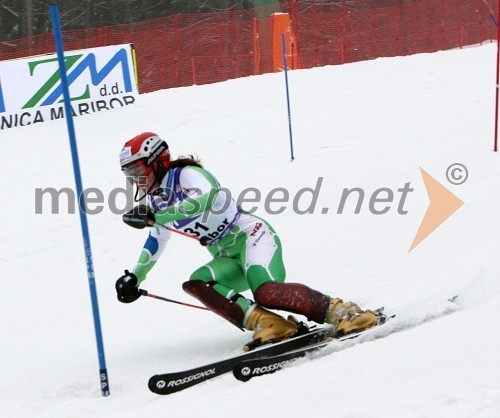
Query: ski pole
x: 146, y: 293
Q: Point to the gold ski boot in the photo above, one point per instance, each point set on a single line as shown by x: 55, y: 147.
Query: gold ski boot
x: 347, y: 317
x: 268, y: 326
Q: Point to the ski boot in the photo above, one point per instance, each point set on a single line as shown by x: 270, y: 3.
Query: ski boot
x: 268, y: 327
x: 347, y: 317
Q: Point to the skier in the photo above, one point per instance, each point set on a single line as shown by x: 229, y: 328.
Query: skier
x: 246, y: 250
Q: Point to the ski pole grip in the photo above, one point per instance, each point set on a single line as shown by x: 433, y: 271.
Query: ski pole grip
x: 143, y: 292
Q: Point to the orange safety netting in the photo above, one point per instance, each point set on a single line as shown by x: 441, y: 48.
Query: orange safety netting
x: 202, y: 48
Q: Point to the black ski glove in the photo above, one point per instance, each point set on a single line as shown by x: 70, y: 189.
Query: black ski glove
x: 139, y: 217
x: 126, y: 288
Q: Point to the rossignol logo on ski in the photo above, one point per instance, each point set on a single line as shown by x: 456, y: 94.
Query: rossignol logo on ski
x: 257, y: 371
x: 246, y: 371
x: 188, y: 379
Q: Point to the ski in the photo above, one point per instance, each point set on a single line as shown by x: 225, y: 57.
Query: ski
x: 167, y: 383
x: 249, y: 368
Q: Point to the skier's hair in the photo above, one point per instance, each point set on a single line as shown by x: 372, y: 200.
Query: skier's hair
x: 183, y: 161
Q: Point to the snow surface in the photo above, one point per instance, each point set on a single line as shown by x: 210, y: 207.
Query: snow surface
x: 370, y: 125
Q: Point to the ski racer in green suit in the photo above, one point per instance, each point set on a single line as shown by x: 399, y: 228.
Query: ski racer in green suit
x: 246, y: 251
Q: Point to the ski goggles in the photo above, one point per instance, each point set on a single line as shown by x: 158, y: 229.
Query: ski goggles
x: 136, y: 172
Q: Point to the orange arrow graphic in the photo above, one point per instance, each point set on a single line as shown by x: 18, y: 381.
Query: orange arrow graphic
x: 443, y: 204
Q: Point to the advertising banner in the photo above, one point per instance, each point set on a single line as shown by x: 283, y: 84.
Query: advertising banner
x: 99, y: 79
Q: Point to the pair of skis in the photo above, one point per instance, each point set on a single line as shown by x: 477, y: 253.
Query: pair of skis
x: 260, y: 361
x: 273, y: 357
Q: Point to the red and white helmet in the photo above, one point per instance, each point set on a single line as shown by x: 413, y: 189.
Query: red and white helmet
x: 143, y: 154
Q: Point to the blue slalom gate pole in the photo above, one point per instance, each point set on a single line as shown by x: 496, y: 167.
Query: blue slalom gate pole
x: 287, y: 96
x: 103, y: 373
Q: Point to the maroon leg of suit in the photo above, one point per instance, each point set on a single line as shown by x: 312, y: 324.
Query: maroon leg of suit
x: 293, y: 297
x: 218, y: 304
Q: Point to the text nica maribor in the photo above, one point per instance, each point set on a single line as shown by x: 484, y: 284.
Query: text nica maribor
x: 26, y: 118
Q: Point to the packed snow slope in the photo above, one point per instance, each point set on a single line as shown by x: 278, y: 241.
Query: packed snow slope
x: 367, y: 125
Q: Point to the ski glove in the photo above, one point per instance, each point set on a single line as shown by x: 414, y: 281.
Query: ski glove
x: 126, y: 288
x: 139, y: 217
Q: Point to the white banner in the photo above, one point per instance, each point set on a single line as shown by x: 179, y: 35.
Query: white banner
x: 99, y: 79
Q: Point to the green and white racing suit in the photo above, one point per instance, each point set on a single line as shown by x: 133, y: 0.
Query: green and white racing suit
x: 246, y: 250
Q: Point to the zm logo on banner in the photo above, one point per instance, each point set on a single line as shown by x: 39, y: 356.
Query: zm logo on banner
x: 99, y: 79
